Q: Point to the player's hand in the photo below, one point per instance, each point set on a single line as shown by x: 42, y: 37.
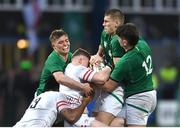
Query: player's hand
x: 96, y: 60
x: 89, y: 98
x: 87, y: 89
x: 109, y: 62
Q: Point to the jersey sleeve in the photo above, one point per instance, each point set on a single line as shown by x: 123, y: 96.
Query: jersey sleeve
x: 54, y: 65
x: 119, y: 72
x: 117, y: 50
x: 103, y: 34
x: 85, y: 73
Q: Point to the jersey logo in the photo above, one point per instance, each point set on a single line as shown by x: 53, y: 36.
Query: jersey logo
x: 109, y: 52
x: 105, y: 44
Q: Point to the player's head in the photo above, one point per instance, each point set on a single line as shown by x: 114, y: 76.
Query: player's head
x: 128, y: 34
x: 60, y: 41
x: 112, y: 19
x: 81, y: 56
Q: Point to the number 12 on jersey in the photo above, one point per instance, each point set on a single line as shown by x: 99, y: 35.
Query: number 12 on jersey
x: 147, y: 64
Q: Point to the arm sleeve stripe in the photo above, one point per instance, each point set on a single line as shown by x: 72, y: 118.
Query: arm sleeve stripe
x: 86, y: 74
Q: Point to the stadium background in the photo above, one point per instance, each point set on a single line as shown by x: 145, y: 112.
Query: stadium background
x: 25, y: 27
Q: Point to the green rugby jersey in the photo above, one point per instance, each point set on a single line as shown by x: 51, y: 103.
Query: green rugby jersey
x: 53, y: 63
x: 134, y: 70
x: 111, y: 47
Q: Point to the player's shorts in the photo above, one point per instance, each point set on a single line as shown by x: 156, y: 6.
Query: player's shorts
x: 31, y: 123
x: 84, y: 121
x: 138, y: 107
x: 110, y: 102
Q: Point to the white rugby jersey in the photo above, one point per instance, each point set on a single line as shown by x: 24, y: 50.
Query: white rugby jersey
x: 43, y: 110
x: 78, y: 73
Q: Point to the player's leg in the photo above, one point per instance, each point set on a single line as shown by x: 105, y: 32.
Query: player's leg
x: 108, y: 106
x: 105, y: 117
x: 117, y: 122
x: 99, y: 113
x: 96, y: 123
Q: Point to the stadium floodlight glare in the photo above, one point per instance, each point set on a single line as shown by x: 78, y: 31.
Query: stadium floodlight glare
x: 22, y: 44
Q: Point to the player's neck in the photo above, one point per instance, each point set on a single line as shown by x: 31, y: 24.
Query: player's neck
x: 112, y: 34
x: 65, y: 56
x: 129, y: 48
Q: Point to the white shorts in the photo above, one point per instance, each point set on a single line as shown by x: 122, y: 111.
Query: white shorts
x: 84, y: 121
x: 110, y: 102
x: 138, y: 107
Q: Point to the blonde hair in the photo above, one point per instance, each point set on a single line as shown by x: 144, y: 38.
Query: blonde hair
x: 116, y: 14
x: 57, y: 33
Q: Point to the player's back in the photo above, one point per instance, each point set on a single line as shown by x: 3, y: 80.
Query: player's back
x: 42, y: 111
x: 138, y: 63
x: 143, y: 47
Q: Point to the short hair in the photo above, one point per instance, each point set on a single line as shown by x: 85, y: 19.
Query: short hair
x: 83, y: 52
x: 115, y: 14
x: 129, y: 32
x: 57, y: 33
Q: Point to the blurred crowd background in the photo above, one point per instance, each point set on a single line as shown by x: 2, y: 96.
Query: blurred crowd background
x: 25, y: 26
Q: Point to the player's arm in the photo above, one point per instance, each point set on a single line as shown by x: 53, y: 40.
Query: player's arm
x: 67, y: 81
x: 109, y: 86
x: 102, y: 76
x: 98, y: 57
x: 100, y: 51
x: 117, y: 50
x: 89, y: 75
x: 72, y: 115
x: 118, y: 74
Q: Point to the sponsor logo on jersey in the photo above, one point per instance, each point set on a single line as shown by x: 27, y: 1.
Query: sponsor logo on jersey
x: 105, y: 44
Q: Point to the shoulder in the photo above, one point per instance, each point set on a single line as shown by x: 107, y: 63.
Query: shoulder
x: 115, y: 39
x: 70, y: 67
x: 142, y: 42
x: 69, y: 57
x: 53, y: 56
x: 128, y: 57
x: 70, y: 54
x: 104, y: 34
x: 142, y: 45
x: 122, y: 61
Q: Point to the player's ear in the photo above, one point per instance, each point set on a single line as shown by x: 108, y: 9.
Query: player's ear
x: 124, y: 42
x: 117, y: 23
x: 53, y: 45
